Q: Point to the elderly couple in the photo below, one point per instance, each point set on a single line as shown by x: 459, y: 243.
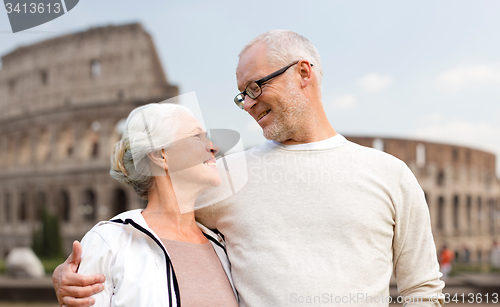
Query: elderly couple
x: 321, y: 220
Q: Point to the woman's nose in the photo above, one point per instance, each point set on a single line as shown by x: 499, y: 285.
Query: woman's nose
x: 213, y: 148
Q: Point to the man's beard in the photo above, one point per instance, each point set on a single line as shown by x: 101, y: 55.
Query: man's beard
x: 289, y: 116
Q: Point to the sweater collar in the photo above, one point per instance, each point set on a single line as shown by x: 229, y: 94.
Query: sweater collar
x: 335, y: 141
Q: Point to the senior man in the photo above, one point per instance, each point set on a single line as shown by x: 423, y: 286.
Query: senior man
x: 321, y: 220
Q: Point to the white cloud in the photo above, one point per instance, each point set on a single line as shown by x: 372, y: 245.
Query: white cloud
x: 375, y: 82
x: 467, y: 76
x: 482, y: 135
x: 344, y: 102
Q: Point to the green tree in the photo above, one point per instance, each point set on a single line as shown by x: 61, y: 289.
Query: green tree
x: 47, y: 240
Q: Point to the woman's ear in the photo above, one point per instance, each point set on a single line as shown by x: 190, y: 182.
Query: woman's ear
x: 159, y: 159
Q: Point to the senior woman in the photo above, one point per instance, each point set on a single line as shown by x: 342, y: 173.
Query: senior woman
x: 160, y: 256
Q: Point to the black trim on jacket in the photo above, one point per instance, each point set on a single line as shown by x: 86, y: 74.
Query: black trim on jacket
x: 216, y: 242
x: 169, y: 262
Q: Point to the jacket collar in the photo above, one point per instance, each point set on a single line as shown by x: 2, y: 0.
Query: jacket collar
x: 136, y: 216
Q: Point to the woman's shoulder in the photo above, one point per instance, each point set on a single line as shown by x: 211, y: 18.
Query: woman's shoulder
x: 134, y: 215
x: 114, y: 228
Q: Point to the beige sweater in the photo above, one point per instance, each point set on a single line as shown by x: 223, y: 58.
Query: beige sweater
x: 326, y: 227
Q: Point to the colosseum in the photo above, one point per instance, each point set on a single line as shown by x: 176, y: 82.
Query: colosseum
x: 63, y: 104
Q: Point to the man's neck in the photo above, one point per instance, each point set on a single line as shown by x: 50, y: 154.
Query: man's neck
x: 317, y: 136
x: 315, y: 128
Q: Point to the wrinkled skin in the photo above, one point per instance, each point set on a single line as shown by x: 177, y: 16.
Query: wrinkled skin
x: 72, y: 289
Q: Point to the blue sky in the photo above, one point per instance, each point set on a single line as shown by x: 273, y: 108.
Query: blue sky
x: 415, y: 69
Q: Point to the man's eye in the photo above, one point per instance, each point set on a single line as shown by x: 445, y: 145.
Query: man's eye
x: 254, y: 88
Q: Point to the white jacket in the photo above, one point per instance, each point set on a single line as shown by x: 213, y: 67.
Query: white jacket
x: 135, y: 262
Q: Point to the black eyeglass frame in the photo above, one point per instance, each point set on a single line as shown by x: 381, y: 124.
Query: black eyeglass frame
x: 240, y: 98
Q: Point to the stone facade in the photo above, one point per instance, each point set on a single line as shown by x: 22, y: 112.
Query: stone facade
x: 461, y: 188
x: 63, y: 105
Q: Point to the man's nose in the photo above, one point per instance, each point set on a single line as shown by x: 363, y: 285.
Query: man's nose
x: 249, y: 103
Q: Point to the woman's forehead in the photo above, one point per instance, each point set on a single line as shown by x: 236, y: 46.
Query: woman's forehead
x: 190, y: 124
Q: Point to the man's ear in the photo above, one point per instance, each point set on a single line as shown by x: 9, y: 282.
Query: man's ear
x: 159, y: 158
x: 305, y: 71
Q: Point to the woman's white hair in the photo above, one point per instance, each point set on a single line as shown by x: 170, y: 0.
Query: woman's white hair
x: 149, y: 128
x: 284, y: 47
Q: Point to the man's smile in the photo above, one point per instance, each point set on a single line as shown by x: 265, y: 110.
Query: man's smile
x: 263, y: 114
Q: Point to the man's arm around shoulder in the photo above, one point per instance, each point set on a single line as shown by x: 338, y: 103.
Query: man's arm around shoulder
x: 73, y: 289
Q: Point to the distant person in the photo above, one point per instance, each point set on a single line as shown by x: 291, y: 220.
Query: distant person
x: 445, y: 261
x: 465, y: 254
x: 495, y: 255
x: 321, y: 219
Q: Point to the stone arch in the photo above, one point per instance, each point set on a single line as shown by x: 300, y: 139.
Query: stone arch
x: 497, y: 215
x: 11, y: 153
x: 95, y: 69
x: 63, y: 206
x: 89, y: 205
x: 420, y: 155
x: 120, y: 201
x: 3, y: 151
x: 469, y: 212
x: 40, y: 205
x: 65, y: 142
x: 456, y: 211
x: 24, y: 149
x: 491, y: 215
x: 441, y: 213
x: 23, y: 207
x: 90, y: 145
x: 455, y: 154
x: 378, y: 144
x: 42, y: 152
x: 7, y: 207
x: 440, y: 178
x: 479, y: 213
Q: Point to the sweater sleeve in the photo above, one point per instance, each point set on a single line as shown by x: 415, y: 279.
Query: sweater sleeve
x: 414, y: 253
x: 97, y: 258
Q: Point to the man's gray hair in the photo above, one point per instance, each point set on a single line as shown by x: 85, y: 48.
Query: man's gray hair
x: 284, y: 47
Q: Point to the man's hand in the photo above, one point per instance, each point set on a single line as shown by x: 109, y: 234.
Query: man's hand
x: 73, y: 289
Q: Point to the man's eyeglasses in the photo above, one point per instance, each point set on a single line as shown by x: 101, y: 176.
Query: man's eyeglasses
x: 254, y: 89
